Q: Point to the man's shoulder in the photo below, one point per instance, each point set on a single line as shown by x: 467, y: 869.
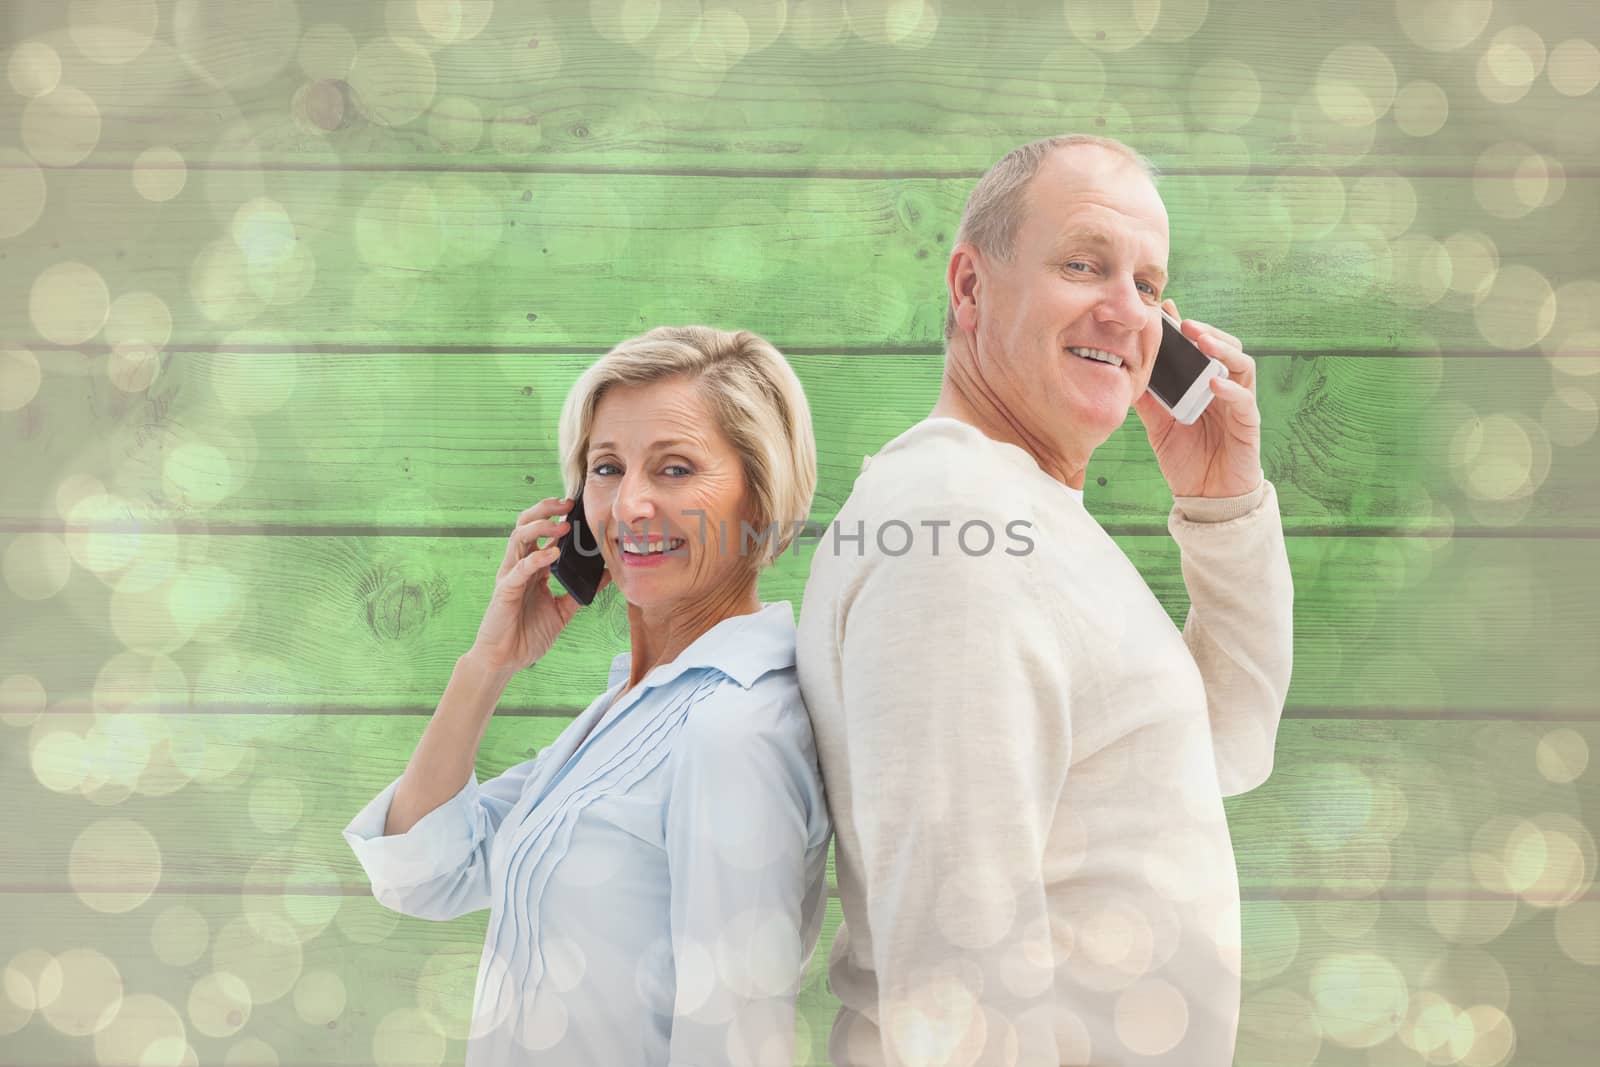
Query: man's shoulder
x: 937, y: 465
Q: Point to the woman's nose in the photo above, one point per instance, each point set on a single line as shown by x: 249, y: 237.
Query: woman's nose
x: 635, y: 506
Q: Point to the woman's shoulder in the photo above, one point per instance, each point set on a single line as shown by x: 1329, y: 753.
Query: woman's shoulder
x: 770, y: 707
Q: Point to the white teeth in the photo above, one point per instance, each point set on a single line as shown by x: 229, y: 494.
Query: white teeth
x: 1098, y: 355
x: 652, y: 550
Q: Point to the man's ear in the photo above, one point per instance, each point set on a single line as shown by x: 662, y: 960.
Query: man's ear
x: 962, y: 279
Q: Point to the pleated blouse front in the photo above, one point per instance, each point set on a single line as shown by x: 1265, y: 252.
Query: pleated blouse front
x: 655, y: 887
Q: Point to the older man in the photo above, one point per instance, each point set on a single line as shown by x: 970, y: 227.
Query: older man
x: 1024, y: 758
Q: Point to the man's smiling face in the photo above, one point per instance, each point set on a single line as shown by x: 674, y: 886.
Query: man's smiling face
x: 1087, y: 272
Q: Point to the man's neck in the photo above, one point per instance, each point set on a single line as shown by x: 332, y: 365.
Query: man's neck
x: 961, y: 399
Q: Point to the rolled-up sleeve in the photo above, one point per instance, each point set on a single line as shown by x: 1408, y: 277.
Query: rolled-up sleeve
x: 438, y: 869
x: 747, y: 831
x: 1240, y: 625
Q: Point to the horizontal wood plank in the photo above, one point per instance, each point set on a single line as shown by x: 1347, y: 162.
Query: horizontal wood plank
x: 1383, y: 626
x: 368, y: 986
x: 391, y: 442
x: 753, y: 86
x: 1353, y: 808
x: 275, y: 260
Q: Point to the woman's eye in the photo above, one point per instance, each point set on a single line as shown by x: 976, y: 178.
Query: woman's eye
x: 599, y: 468
x: 679, y: 467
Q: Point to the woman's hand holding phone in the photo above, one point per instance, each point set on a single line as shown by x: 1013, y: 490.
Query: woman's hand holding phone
x: 524, y: 618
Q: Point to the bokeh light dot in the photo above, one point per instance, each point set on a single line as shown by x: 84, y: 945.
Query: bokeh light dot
x: 68, y: 303
x: 20, y: 378
x: 147, y: 1031
x: 179, y: 935
x: 1359, y: 996
x: 452, y: 21
x: 1488, y: 1037
x: 1562, y: 755
x: 58, y: 758
x: 22, y: 192
x: 112, y: 31
x: 1515, y: 56
x: 268, y: 965
x: 22, y: 699
x: 34, y: 68
x: 1474, y: 262
x: 1112, y: 25
x: 1224, y: 94
x: 1385, y: 201
x: 456, y: 123
x: 240, y: 46
x: 139, y: 317
x: 1355, y: 85
x: 1574, y: 67
x: 1151, y: 1017
x: 1420, y: 108
x: 219, y: 1004
x: 319, y: 997
x: 31, y: 979
x: 1517, y: 310
x: 159, y: 173
x: 90, y: 996
x: 1444, y: 25
x: 395, y: 80
x: 115, y: 865
x: 61, y: 127
x: 404, y: 1038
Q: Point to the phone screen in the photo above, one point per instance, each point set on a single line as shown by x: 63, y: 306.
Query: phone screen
x: 579, y: 565
x: 1178, y: 364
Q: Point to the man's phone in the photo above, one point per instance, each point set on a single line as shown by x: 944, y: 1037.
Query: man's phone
x: 579, y: 565
x: 1181, y: 378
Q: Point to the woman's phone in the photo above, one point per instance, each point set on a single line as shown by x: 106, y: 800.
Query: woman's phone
x: 1181, y: 378
x: 579, y: 565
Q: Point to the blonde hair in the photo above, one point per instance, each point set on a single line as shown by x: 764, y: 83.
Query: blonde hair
x: 755, y: 397
x: 998, y: 203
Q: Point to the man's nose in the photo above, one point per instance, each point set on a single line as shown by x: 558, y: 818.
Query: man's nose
x: 1123, y: 304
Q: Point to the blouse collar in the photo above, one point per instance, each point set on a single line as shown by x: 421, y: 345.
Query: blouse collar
x: 743, y: 647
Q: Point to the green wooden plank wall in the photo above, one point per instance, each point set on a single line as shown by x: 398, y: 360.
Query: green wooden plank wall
x: 293, y: 293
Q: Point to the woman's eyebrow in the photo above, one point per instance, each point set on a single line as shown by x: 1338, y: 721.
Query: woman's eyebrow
x: 665, y: 442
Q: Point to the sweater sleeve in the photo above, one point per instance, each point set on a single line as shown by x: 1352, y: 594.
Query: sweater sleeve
x: 438, y: 869
x: 1240, y: 626
x: 959, y: 739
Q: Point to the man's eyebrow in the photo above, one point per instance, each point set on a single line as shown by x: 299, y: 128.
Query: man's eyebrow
x: 663, y: 443
x: 1096, y: 236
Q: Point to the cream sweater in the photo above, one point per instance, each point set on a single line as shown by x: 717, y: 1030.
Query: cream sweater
x: 1025, y: 761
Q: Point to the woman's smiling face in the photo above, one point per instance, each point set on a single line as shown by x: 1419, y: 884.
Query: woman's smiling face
x: 659, y: 470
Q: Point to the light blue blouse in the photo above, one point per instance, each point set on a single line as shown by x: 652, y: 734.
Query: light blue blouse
x: 654, y: 892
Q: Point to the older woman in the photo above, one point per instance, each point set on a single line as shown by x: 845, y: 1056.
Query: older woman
x: 655, y: 876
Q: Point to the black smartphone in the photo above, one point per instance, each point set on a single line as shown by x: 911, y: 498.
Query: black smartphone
x: 579, y: 565
x: 1181, y: 378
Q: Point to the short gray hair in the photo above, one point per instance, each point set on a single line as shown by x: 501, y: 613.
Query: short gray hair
x: 997, y: 204
x: 754, y: 396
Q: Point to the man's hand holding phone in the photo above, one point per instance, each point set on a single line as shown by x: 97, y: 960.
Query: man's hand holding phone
x: 1220, y: 453
x: 524, y: 618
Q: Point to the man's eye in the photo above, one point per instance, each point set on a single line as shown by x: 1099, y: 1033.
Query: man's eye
x: 1078, y: 263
